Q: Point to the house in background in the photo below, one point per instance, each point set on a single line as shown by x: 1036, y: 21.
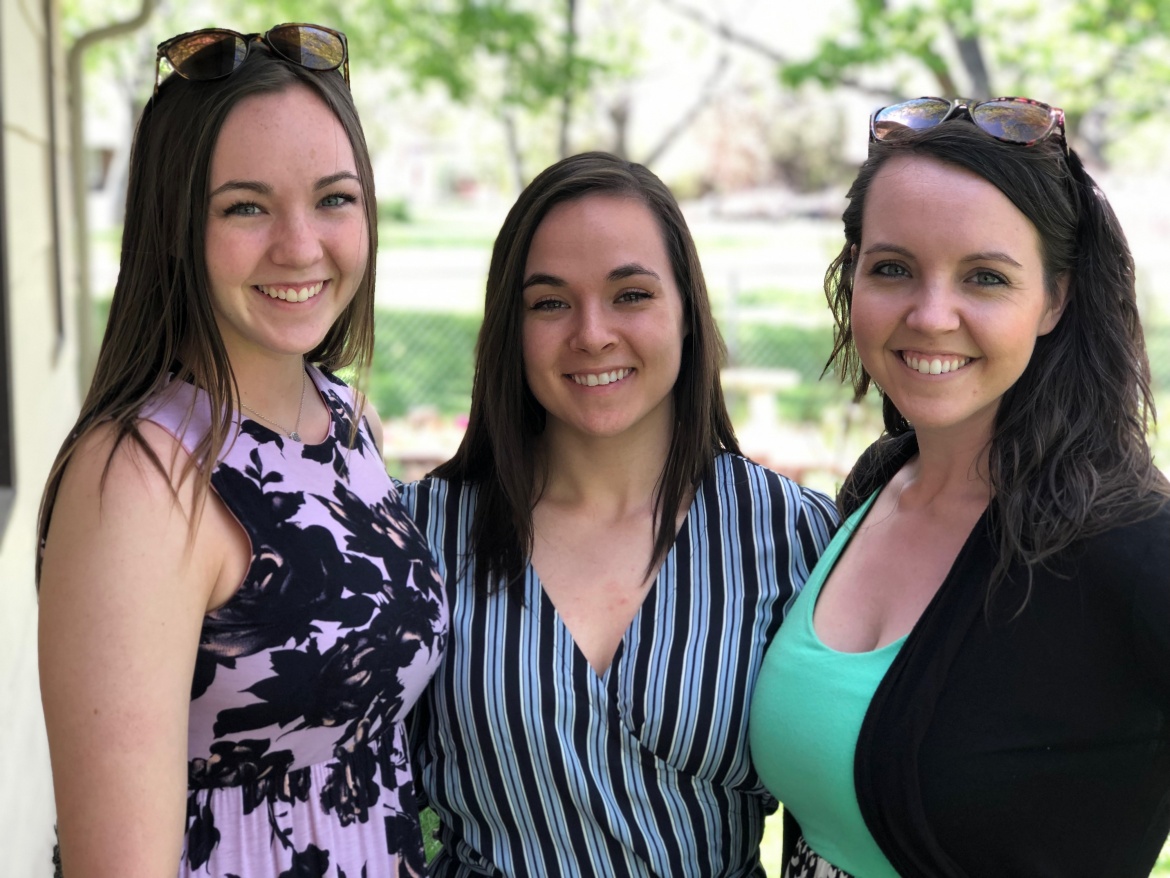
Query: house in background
x: 39, y: 396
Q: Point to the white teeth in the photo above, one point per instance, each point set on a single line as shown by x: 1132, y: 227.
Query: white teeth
x: 935, y: 366
x: 593, y: 379
x: 292, y: 294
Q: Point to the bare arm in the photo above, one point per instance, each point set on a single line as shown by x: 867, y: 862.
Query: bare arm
x: 122, y: 597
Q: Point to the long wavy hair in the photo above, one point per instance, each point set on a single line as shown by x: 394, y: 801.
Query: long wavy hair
x: 161, y: 322
x: 1068, y: 453
x: 498, y: 451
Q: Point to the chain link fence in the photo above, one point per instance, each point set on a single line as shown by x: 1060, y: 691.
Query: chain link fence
x: 786, y: 414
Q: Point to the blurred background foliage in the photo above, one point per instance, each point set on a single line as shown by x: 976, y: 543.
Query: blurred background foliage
x: 568, y: 64
x: 753, y: 111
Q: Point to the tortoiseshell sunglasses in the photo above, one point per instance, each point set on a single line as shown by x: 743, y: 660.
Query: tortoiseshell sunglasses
x: 214, y: 52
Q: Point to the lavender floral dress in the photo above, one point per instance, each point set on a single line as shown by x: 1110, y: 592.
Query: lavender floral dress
x: 297, y: 763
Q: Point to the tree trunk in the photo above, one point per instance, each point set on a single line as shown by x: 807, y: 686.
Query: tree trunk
x: 619, y: 114
x: 508, y: 119
x: 706, y: 93
x: 961, y: 24
x: 570, y: 65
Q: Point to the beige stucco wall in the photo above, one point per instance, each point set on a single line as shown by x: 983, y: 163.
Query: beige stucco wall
x: 45, y: 401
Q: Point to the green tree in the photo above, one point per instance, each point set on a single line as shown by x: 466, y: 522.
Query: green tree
x: 514, y: 57
x: 1107, y: 62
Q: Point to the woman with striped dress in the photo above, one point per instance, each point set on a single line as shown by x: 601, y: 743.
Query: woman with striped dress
x: 614, y: 566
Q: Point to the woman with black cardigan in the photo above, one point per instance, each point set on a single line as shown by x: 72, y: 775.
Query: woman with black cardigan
x: 976, y: 678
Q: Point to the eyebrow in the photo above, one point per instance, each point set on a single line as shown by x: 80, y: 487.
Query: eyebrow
x: 261, y: 188
x: 992, y: 256
x: 326, y: 182
x: 630, y: 269
x: 984, y: 256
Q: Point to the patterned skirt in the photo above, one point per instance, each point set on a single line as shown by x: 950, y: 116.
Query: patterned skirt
x: 807, y: 863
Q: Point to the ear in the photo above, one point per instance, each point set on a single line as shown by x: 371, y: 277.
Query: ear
x: 1055, y: 308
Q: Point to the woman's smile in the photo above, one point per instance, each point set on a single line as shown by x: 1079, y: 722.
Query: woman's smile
x: 596, y: 379
x: 933, y: 364
x: 291, y: 292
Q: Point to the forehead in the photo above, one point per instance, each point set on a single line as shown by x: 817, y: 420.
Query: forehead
x: 934, y: 202
x: 615, y: 228
x: 291, y: 131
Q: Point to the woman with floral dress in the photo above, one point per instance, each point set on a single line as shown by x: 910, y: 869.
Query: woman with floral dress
x: 236, y: 612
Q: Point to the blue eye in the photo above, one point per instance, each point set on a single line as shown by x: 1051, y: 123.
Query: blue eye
x: 338, y: 199
x: 989, y: 278
x: 890, y: 269
x: 634, y: 296
x: 243, y: 208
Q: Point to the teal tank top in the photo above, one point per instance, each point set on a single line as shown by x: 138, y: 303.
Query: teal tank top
x: 806, y: 714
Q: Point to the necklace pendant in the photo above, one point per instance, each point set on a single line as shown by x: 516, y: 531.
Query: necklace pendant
x: 295, y: 436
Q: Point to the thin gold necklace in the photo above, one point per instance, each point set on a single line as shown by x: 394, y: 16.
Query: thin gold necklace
x: 292, y: 434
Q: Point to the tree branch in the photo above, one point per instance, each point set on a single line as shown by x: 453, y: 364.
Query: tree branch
x: 726, y: 32
x: 705, y: 94
x: 739, y: 38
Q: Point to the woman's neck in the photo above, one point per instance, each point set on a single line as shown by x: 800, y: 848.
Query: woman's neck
x: 948, y: 469
x: 617, y: 474
x: 269, y: 383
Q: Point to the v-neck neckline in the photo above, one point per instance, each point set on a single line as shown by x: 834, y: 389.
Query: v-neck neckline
x: 578, y: 655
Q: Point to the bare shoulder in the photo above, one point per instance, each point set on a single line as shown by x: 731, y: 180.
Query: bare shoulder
x: 117, y: 509
x: 122, y: 470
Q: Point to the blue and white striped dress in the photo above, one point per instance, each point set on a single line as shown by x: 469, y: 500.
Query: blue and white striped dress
x: 537, y: 766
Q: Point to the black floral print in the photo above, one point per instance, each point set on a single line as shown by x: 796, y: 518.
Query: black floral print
x: 297, y: 758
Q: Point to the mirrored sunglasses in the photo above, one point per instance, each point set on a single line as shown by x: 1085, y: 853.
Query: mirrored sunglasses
x: 1016, y: 120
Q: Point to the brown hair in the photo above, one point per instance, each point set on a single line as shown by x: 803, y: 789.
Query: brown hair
x: 1068, y: 453
x: 160, y: 322
x: 497, y: 453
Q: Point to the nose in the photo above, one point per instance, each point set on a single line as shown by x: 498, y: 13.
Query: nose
x: 593, y: 329
x: 934, y: 309
x: 296, y: 240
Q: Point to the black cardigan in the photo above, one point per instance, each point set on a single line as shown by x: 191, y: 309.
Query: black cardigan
x: 1034, y: 743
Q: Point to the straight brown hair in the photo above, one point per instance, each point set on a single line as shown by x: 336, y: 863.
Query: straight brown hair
x: 498, y: 451
x: 160, y: 325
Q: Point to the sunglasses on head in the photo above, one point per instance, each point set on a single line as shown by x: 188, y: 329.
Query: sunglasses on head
x: 214, y: 52
x: 1021, y: 121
